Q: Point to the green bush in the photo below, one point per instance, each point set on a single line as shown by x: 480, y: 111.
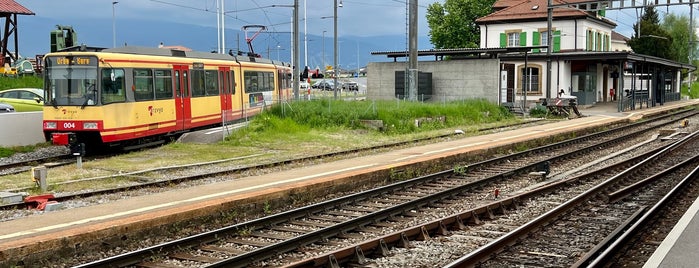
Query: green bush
x: 693, y: 93
x: 539, y: 111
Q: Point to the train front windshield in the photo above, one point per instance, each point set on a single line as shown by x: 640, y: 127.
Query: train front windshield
x: 71, y: 81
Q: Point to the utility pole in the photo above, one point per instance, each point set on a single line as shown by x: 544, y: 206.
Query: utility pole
x: 549, y: 47
x: 113, y: 23
x: 297, y: 63
x: 691, y: 45
x: 412, y: 73
x: 335, y: 70
x: 305, y: 36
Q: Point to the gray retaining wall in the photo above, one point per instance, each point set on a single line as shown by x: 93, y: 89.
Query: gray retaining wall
x: 19, y: 129
x: 451, y: 79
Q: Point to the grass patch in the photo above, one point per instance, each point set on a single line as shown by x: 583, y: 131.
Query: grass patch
x: 9, y: 151
x: 693, y: 93
x: 337, y: 125
x: 21, y: 81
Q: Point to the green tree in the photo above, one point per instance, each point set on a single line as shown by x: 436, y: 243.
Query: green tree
x: 652, y: 39
x: 679, y: 30
x: 453, y: 24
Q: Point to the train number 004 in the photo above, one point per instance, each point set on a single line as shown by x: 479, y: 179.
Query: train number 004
x: 68, y: 125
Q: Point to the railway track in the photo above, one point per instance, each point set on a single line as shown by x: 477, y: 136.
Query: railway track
x: 595, y: 226
x: 165, y: 176
x: 301, y: 232
x: 25, y: 165
x: 28, y: 164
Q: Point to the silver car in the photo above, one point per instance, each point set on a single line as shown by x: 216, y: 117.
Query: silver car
x: 6, y: 108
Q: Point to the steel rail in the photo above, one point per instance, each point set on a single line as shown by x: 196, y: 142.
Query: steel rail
x: 636, y: 226
x: 454, y: 221
x: 136, y: 256
x: 485, y: 252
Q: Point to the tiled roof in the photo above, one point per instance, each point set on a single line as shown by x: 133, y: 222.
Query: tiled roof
x: 619, y: 37
x: 531, y: 9
x: 10, y: 6
x: 505, y: 3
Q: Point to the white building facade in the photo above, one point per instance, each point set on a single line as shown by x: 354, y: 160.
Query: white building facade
x: 524, y: 23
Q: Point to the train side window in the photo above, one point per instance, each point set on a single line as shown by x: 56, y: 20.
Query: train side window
x: 269, y: 79
x: 222, y: 82
x: 163, y: 84
x: 211, y: 83
x: 143, y: 84
x: 231, y: 81
x: 113, y: 86
x: 198, y: 87
x: 177, y: 83
x: 185, y: 86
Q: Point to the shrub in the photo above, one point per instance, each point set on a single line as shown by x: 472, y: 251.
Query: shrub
x: 539, y: 112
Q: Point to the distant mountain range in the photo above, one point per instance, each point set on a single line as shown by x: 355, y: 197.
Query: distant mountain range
x: 33, y: 33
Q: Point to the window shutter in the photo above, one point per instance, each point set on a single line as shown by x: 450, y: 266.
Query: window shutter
x: 588, y: 42
x: 556, y: 41
x: 503, y: 40
x: 523, y: 39
x: 536, y: 40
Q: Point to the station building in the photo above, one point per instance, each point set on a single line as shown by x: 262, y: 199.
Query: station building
x: 588, y: 60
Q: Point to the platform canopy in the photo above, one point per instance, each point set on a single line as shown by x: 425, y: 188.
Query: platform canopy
x: 9, y: 9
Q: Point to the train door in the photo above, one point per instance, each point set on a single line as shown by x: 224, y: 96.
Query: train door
x: 183, y: 102
x: 226, y: 94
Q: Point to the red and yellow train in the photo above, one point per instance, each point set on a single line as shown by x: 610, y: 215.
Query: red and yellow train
x: 134, y: 96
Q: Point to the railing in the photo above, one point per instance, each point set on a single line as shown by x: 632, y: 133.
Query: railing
x: 635, y: 101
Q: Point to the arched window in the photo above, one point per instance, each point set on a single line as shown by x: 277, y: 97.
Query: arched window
x: 529, y: 79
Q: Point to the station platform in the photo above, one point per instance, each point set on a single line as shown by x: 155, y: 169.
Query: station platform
x: 74, y: 228
x: 679, y: 248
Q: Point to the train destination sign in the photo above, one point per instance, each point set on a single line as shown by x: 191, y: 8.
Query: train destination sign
x: 87, y: 61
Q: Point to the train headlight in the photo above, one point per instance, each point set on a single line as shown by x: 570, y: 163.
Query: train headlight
x: 50, y: 125
x: 89, y: 125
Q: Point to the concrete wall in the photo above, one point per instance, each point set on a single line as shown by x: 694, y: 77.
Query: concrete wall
x: 19, y: 129
x: 451, y: 79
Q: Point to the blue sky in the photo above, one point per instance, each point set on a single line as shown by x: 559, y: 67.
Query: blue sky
x: 358, y: 20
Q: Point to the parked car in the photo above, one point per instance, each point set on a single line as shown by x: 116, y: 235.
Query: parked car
x: 324, y: 85
x: 24, y: 99
x: 303, y: 86
x: 350, y: 86
x: 6, y: 108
